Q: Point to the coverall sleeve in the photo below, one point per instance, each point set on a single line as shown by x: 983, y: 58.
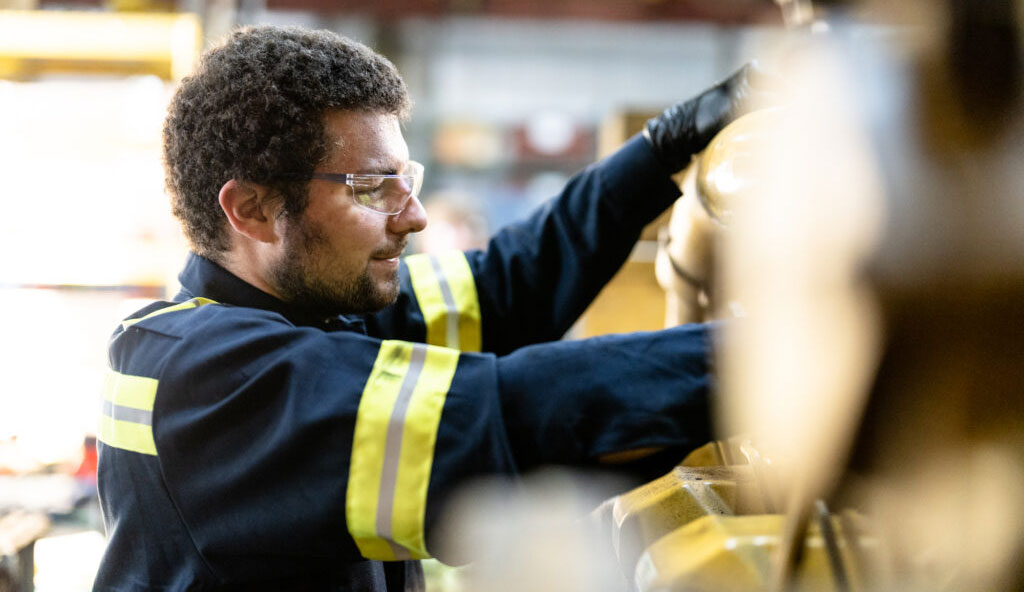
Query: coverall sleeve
x: 304, y: 447
x: 538, y: 275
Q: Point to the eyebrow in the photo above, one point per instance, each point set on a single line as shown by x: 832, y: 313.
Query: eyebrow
x: 383, y: 170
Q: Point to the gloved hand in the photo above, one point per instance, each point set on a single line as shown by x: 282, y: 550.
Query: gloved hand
x: 685, y: 128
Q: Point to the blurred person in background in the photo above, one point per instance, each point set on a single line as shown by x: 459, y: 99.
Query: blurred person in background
x: 456, y: 223
x: 301, y: 413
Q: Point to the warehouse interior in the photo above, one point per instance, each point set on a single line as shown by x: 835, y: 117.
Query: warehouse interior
x: 862, y: 245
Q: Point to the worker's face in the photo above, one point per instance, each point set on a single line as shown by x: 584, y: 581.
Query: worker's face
x: 339, y: 257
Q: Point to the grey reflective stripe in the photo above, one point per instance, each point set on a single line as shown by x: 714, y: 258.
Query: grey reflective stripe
x: 122, y: 413
x: 452, y: 318
x: 393, y: 450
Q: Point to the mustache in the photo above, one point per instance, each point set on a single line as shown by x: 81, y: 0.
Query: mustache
x: 390, y: 251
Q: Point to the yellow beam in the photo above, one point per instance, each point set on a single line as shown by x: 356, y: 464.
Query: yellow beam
x: 169, y: 40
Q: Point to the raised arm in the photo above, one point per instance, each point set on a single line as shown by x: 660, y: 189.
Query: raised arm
x: 538, y: 275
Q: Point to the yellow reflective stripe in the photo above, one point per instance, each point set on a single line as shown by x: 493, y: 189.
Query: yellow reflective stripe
x: 127, y: 410
x: 417, y: 451
x: 463, y: 287
x: 447, y: 296
x: 138, y: 392
x: 428, y: 294
x: 127, y: 418
x: 126, y: 435
x: 193, y: 303
x: 393, y: 449
x: 368, y: 445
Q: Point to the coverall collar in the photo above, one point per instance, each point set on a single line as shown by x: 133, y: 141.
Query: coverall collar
x: 202, y: 277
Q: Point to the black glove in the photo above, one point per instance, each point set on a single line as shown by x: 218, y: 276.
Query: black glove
x: 685, y: 128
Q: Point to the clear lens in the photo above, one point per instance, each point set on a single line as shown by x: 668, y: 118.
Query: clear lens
x: 388, y: 194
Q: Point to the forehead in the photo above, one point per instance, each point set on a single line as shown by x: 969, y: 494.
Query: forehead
x: 364, y: 142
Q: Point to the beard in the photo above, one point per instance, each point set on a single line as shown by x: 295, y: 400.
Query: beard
x: 307, y: 277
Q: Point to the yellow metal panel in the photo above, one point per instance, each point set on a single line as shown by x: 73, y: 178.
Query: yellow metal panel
x: 733, y: 553
x: 86, y: 37
x: 643, y: 515
x: 631, y: 301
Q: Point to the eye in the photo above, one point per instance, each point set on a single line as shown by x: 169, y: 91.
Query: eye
x: 368, y: 188
x: 368, y: 197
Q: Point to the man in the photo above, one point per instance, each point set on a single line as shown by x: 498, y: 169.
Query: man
x: 298, y: 418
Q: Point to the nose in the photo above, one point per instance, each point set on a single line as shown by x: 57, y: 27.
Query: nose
x: 412, y: 219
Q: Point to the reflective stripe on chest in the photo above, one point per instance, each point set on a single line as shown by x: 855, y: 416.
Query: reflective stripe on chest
x: 447, y: 297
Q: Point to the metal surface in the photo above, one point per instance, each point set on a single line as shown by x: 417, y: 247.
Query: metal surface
x: 734, y: 553
x: 729, y: 169
x: 828, y: 535
x: 19, y: 531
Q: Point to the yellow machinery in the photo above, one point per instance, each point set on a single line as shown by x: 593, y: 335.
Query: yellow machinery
x: 713, y: 524
x: 725, y: 174
x: 869, y: 237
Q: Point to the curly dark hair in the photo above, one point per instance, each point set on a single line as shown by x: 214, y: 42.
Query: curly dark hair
x: 254, y: 110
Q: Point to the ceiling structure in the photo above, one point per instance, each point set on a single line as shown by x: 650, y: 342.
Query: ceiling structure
x: 716, y: 11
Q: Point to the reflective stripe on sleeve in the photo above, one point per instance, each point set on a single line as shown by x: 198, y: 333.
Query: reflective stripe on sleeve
x: 393, y: 449
x: 447, y: 296
x: 127, y: 419
x: 193, y: 303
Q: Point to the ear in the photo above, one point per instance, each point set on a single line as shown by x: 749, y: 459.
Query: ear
x: 249, y: 211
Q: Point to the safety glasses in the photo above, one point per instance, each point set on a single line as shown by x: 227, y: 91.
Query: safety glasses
x: 384, y: 194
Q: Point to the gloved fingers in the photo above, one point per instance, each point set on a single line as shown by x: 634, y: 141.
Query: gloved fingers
x: 758, y: 87
x: 686, y: 128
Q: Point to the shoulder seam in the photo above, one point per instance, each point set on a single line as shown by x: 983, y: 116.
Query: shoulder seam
x: 187, y: 305
x: 153, y: 331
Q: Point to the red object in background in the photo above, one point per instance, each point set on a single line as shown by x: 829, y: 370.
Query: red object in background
x: 87, y: 468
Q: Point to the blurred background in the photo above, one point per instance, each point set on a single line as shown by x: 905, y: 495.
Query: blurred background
x: 870, y: 235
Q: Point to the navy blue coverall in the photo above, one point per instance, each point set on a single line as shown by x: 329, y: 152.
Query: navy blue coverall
x: 246, y: 445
